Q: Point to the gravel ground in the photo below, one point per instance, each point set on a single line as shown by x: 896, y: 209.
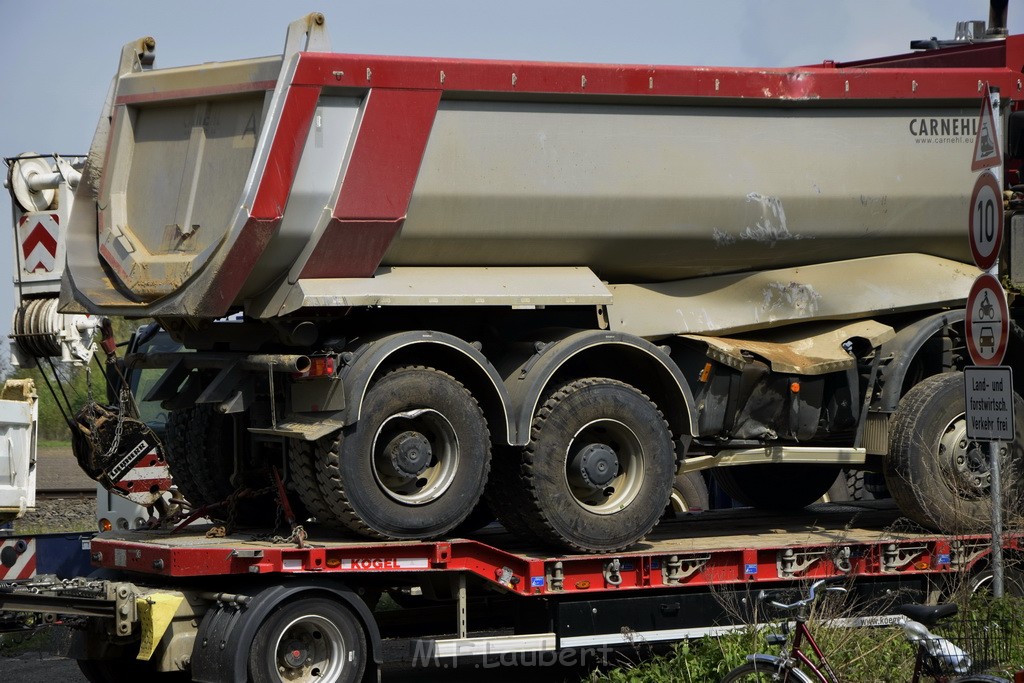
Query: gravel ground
x: 57, y: 469
x: 59, y: 514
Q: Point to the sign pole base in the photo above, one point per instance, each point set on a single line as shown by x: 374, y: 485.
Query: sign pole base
x: 996, y: 449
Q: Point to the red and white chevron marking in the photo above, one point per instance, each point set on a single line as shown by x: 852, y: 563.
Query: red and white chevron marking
x: 17, y: 559
x: 38, y: 233
x: 144, y: 482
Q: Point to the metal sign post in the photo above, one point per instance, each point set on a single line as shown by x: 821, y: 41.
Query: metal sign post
x: 996, y: 491
x: 989, y: 387
x: 989, y: 411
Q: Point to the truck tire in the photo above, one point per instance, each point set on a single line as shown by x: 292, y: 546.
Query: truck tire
x: 689, y: 493
x: 599, y: 467
x: 414, y: 465
x: 851, y: 485
x: 200, y: 453
x: 312, y: 639
x: 480, y: 517
x: 505, y: 494
x: 980, y: 583
x: 776, y: 487
x: 199, y: 445
x: 302, y: 469
x: 938, y: 478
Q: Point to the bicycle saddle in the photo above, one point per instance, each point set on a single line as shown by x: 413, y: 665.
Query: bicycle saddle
x: 927, y: 614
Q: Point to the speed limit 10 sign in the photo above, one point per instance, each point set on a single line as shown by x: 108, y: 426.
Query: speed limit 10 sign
x: 986, y: 221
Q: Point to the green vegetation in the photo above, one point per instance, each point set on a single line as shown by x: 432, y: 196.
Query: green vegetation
x: 54, y: 443
x: 871, y: 655
x: 77, y: 383
x: 52, y: 639
x: 33, y: 640
x: 23, y: 528
x: 858, y: 655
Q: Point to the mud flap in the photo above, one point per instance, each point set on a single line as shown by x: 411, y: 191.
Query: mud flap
x: 226, y: 634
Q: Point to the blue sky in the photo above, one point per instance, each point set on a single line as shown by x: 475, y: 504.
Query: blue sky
x: 57, y: 57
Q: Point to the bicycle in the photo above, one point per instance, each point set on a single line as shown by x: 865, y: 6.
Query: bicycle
x: 937, y: 657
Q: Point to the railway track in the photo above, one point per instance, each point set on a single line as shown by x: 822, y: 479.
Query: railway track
x: 65, y: 492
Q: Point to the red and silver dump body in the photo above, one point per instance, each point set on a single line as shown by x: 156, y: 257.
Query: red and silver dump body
x: 321, y: 179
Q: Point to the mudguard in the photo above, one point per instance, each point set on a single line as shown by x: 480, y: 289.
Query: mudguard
x: 226, y: 633
x: 772, y: 662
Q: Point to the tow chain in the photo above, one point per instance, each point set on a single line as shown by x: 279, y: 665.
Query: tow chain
x: 297, y: 536
x: 232, y: 503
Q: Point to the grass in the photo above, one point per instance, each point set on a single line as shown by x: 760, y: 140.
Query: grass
x: 53, y: 639
x: 858, y: 655
x: 870, y: 655
x: 36, y: 528
x: 13, y: 644
x: 54, y: 443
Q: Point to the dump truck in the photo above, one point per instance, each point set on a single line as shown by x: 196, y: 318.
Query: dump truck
x: 394, y: 297
x: 424, y: 291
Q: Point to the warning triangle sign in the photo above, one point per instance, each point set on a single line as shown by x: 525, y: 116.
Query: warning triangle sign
x: 986, y: 144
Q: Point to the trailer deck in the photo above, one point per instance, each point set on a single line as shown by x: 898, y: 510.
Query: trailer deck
x: 712, y: 548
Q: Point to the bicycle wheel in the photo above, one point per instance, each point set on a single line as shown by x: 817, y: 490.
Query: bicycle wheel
x: 981, y: 678
x: 764, y: 672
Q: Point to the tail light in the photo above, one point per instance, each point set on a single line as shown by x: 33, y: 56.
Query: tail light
x: 319, y: 366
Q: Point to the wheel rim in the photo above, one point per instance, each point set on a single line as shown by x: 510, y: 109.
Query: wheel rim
x: 677, y: 502
x: 966, y: 461
x: 310, y: 648
x: 604, y: 466
x: 415, y: 456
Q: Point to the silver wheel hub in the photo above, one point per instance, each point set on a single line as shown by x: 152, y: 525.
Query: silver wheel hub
x: 310, y: 648
x: 604, y: 466
x: 294, y: 655
x: 966, y: 461
x: 415, y: 456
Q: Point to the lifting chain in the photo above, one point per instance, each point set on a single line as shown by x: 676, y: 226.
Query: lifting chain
x: 122, y: 400
x: 98, y: 451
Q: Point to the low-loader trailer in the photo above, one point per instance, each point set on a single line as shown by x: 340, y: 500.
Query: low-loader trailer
x: 251, y: 607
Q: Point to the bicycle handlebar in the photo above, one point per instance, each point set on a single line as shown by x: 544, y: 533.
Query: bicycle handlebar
x: 811, y: 594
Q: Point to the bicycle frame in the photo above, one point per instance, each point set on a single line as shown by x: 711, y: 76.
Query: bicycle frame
x: 822, y: 670
x: 794, y: 658
x: 794, y: 664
